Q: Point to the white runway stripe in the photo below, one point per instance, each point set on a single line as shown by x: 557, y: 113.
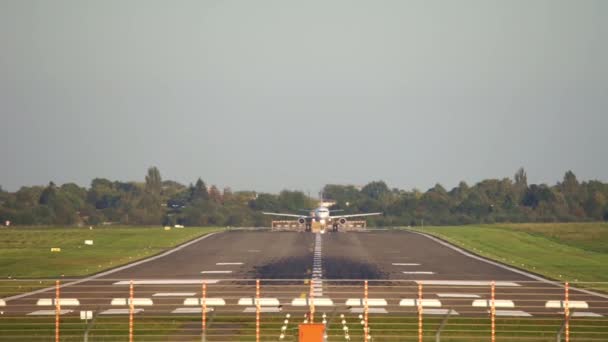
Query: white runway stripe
x: 499, y: 303
x: 560, y: 304
x: 440, y: 312
x: 263, y: 310
x: 49, y: 312
x: 317, y: 301
x: 136, y: 301
x: 120, y: 311
x: 465, y: 283
x: 262, y: 301
x: 370, y: 302
x: 457, y: 295
x: 585, y: 314
x: 208, y: 302
x: 228, y: 263
x: 512, y: 313
x: 216, y: 272
x: 190, y: 310
x: 174, y: 294
x: 425, y: 302
x: 418, y: 272
x: 369, y: 310
x: 169, y: 282
x: 62, y: 302
x: 405, y: 264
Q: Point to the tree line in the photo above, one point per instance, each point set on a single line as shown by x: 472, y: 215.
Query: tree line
x: 164, y: 202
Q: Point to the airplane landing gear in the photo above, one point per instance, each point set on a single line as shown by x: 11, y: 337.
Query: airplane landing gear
x: 335, y: 228
x: 308, y: 227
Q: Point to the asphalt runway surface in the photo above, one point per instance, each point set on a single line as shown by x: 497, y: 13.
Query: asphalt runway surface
x: 397, y: 264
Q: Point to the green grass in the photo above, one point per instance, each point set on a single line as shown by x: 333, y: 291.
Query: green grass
x: 26, y: 252
x: 574, y: 252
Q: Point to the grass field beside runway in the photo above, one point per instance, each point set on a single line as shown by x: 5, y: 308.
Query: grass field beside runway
x: 574, y: 252
x: 26, y: 252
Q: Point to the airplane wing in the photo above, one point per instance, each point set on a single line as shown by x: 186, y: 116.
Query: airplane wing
x: 354, y: 215
x: 285, y: 215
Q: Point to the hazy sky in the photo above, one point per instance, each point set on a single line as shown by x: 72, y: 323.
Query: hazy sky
x: 268, y: 95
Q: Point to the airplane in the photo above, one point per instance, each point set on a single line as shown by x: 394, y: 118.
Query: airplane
x: 322, y: 215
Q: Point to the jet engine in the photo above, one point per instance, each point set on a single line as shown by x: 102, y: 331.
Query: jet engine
x: 342, y: 221
x: 301, y: 220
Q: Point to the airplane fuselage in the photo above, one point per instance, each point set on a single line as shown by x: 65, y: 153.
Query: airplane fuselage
x: 321, y: 215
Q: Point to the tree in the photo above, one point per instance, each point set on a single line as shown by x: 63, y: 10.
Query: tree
x: 199, y: 191
x: 154, y: 182
x: 215, y: 195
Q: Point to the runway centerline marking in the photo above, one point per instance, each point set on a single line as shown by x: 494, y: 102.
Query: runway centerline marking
x: 216, y: 272
x: 228, y: 263
x: 405, y: 264
x: 317, y: 267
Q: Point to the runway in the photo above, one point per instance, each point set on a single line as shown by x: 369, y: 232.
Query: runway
x: 329, y: 267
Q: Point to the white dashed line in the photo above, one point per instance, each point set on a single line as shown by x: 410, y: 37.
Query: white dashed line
x: 216, y: 272
x: 405, y: 264
x: 228, y: 263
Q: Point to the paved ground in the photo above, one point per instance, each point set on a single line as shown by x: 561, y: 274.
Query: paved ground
x: 395, y: 262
